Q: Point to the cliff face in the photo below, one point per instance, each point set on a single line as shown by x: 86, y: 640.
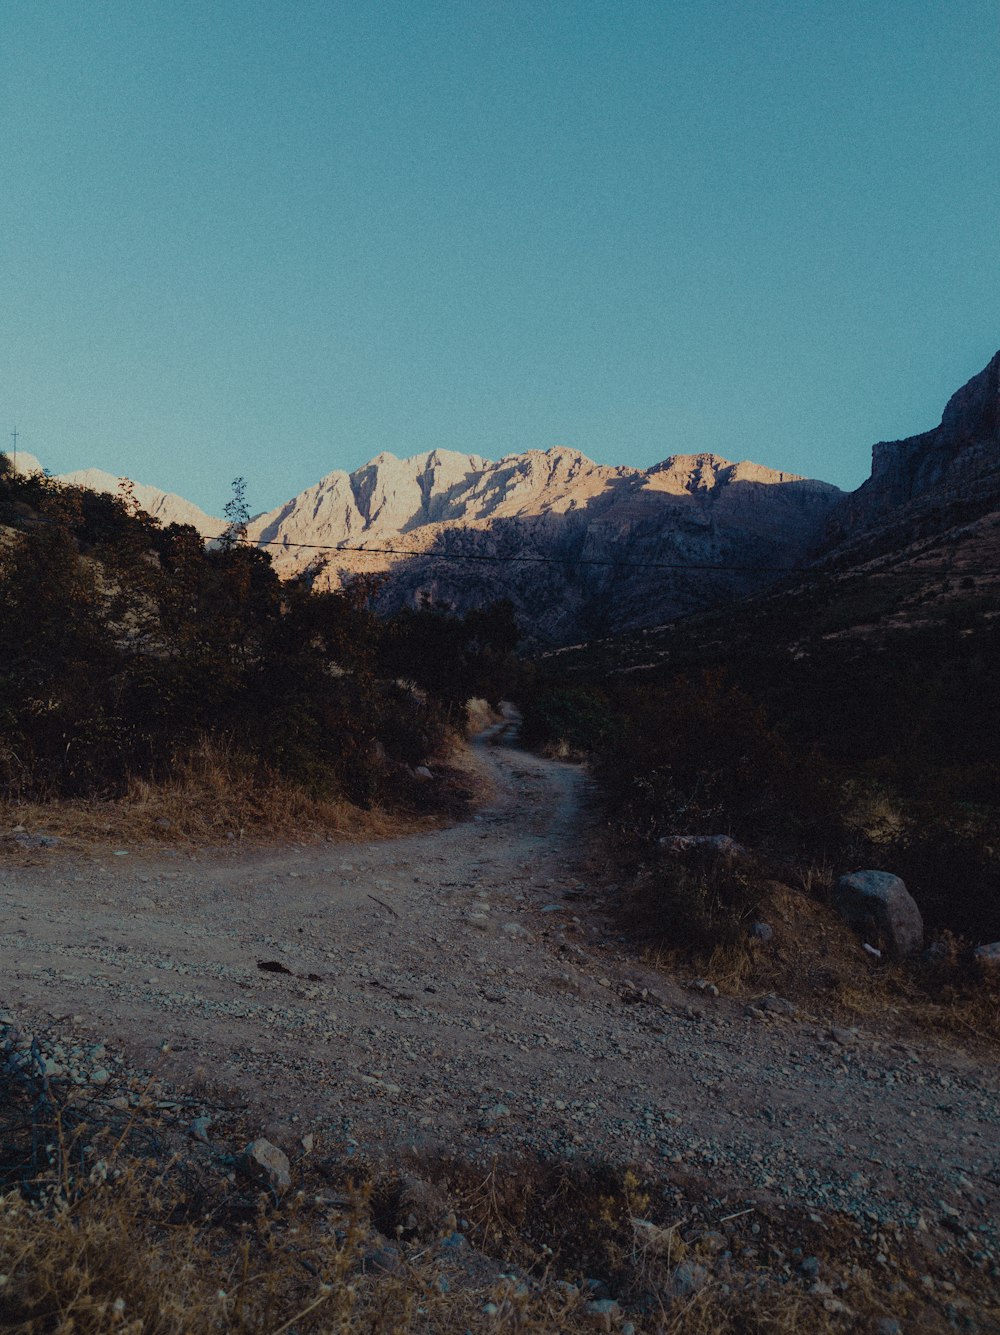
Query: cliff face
x: 547, y: 529
x: 955, y: 466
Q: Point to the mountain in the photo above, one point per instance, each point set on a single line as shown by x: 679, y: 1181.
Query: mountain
x: 580, y: 548
x: 933, y: 498
x: 165, y: 506
x: 902, y: 566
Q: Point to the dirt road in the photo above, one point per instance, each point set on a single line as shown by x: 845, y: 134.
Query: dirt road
x: 459, y: 991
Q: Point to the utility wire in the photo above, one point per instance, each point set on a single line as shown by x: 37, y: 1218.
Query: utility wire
x: 493, y: 559
x: 535, y: 559
x: 611, y: 561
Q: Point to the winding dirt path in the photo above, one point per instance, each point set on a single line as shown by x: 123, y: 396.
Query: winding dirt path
x: 459, y: 991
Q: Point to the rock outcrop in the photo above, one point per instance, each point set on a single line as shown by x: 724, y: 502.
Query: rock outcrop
x: 581, y: 549
x: 930, y: 486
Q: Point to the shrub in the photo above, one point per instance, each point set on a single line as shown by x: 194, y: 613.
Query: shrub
x: 695, y: 903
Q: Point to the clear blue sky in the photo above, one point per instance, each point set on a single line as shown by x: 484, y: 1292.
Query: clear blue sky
x: 275, y: 238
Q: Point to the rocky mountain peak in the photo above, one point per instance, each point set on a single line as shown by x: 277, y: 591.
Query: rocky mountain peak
x: 606, y: 532
x: 973, y: 412
x: 917, y: 483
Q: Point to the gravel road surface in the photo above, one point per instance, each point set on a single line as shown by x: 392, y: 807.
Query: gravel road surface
x: 459, y: 991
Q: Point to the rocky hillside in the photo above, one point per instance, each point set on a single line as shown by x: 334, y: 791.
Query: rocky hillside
x: 584, y: 550
x: 932, y: 498
x: 579, y: 548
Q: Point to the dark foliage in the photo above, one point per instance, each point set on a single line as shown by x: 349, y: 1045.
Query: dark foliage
x: 124, y: 644
x: 776, y: 728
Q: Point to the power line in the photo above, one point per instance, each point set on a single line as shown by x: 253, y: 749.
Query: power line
x: 611, y: 561
x: 942, y: 572
x: 534, y: 559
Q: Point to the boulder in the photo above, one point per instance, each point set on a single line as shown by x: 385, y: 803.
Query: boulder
x: 264, y: 1165
x: 881, y: 900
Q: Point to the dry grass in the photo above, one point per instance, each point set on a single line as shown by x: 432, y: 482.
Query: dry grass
x: 113, y: 1220
x: 160, y: 1248
x: 214, y: 797
x: 818, y: 962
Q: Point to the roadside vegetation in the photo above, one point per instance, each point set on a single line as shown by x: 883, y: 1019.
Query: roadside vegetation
x: 816, y: 754
x: 138, y: 667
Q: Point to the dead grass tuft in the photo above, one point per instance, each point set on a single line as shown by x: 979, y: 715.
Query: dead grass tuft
x: 813, y: 958
x: 216, y: 796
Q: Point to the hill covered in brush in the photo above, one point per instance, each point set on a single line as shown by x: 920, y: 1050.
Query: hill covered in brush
x: 130, y: 647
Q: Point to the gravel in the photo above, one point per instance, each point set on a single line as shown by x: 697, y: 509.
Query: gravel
x: 493, y: 1011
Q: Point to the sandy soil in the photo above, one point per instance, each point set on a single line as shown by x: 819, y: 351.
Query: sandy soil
x: 458, y: 991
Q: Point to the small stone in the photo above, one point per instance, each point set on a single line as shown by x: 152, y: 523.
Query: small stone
x: 713, y: 1242
x: 604, y: 1310
x: 809, y: 1267
x: 516, y: 932
x: 762, y: 931
x: 888, y: 1326
x: 100, y: 1077
x: 265, y: 1165
x: 383, y: 1260
x: 687, y: 1279
x: 845, y: 1037
x: 199, y: 1129
x: 988, y: 957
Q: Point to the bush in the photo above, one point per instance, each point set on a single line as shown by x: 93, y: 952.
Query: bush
x: 695, y: 903
x: 127, y: 646
x: 568, y: 720
x: 703, y: 757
